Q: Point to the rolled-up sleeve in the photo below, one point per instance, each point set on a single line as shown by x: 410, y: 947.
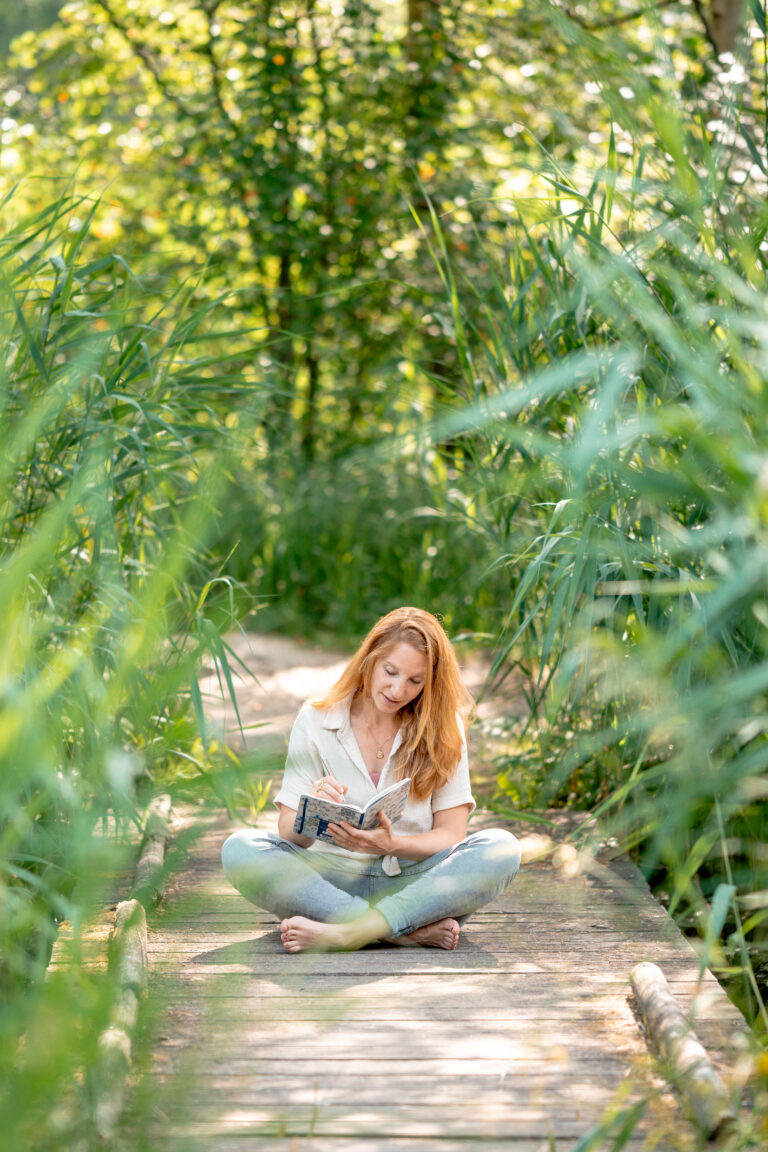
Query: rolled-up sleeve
x: 458, y: 790
x: 303, y: 764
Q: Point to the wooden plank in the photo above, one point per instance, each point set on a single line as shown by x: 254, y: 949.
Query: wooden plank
x: 525, y: 939
x: 241, y: 961
x: 710, y: 1024
x: 571, y: 1060
x: 308, y: 1041
x: 367, y: 1123
x: 533, y: 1104
x: 570, y: 941
x: 320, y: 1011
x: 591, y: 1075
x: 581, y: 1097
x: 512, y: 1142
x: 625, y: 918
x: 370, y: 1123
x: 321, y: 1008
x: 567, y: 1049
x: 416, y: 988
x: 262, y: 1081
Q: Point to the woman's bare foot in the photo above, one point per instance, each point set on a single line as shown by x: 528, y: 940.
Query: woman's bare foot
x: 302, y: 935
x: 441, y: 934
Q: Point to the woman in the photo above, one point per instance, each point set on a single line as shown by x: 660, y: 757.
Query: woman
x: 395, y: 712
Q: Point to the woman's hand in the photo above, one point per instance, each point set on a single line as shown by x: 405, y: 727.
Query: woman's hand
x: 379, y: 841
x: 328, y: 788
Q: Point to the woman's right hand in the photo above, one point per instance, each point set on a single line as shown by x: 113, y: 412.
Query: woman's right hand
x: 329, y: 788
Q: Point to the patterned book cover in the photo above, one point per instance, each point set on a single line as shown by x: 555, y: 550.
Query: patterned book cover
x: 314, y: 815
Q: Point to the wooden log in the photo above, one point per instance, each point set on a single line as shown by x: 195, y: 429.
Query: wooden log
x: 129, y: 947
x: 149, y: 882
x: 690, y: 1069
x: 111, y: 1076
x: 129, y: 968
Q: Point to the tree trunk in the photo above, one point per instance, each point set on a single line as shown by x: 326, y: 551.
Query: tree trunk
x: 723, y: 20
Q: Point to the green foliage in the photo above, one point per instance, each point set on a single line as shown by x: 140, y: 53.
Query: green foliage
x: 108, y: 492
x: 280, y: 147
x: 339, y: 545
x: 496, y: 345
x: 284, y: 150
x: 620, y: 424
x: 277, y: 146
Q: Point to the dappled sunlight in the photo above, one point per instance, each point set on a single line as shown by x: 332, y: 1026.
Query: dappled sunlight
x: 312, y: 309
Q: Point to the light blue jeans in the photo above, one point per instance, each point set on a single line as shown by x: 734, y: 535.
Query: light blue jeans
x: 288, y: 880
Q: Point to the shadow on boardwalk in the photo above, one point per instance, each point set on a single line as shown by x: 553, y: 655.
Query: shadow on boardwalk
x: 523, y: 1038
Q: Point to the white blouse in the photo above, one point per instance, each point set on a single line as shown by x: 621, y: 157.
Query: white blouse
x: 327, y: 736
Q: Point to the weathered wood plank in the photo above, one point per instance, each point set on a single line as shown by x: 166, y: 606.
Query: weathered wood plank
x: 421, y: 1080
x: 532, y: 1094
x: 607, y: 1080
x: 368, y: 1122
x: 416, y: 988
x: 515, y: 935
x: 321, y: 1011
x: 523, y: 985
x: 243, y: 960
x: 571, y: 1060
x: 375, y: 1122
x: 512, y: 1142
x: 309, y: 1039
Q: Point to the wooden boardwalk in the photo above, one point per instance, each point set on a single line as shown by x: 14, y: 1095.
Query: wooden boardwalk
x: 524, y: 1038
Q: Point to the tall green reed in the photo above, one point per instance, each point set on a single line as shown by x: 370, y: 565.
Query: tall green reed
x: 111, y: 481
x: 621, y: 427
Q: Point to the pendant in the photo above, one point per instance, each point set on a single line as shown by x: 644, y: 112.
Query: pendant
x: 379, y: 753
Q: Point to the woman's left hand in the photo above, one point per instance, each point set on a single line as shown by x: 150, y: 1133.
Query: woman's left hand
x: 376, y: 842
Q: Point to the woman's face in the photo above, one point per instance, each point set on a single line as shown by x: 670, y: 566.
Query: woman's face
x: 397, y: 678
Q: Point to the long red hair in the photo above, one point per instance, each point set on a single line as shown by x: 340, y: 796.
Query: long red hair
x: 431, y: 744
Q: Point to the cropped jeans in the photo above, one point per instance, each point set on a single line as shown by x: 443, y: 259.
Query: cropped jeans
x: 288, y: 880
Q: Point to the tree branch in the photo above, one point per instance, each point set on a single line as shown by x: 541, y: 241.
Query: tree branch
x: 702, y: 14
x: 614, y: 21
x: 147, y: 57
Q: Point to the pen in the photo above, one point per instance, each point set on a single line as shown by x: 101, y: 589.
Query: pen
x: 327, y: 769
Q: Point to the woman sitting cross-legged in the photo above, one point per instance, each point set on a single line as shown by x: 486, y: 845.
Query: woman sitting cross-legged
x: 397, y: 711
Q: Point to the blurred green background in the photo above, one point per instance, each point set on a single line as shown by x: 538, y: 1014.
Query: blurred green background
x: 313, y: 309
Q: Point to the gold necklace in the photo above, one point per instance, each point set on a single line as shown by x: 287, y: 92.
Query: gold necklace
x: 380, y: 747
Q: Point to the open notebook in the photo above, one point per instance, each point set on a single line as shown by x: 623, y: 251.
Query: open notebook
x: 314, y: 815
